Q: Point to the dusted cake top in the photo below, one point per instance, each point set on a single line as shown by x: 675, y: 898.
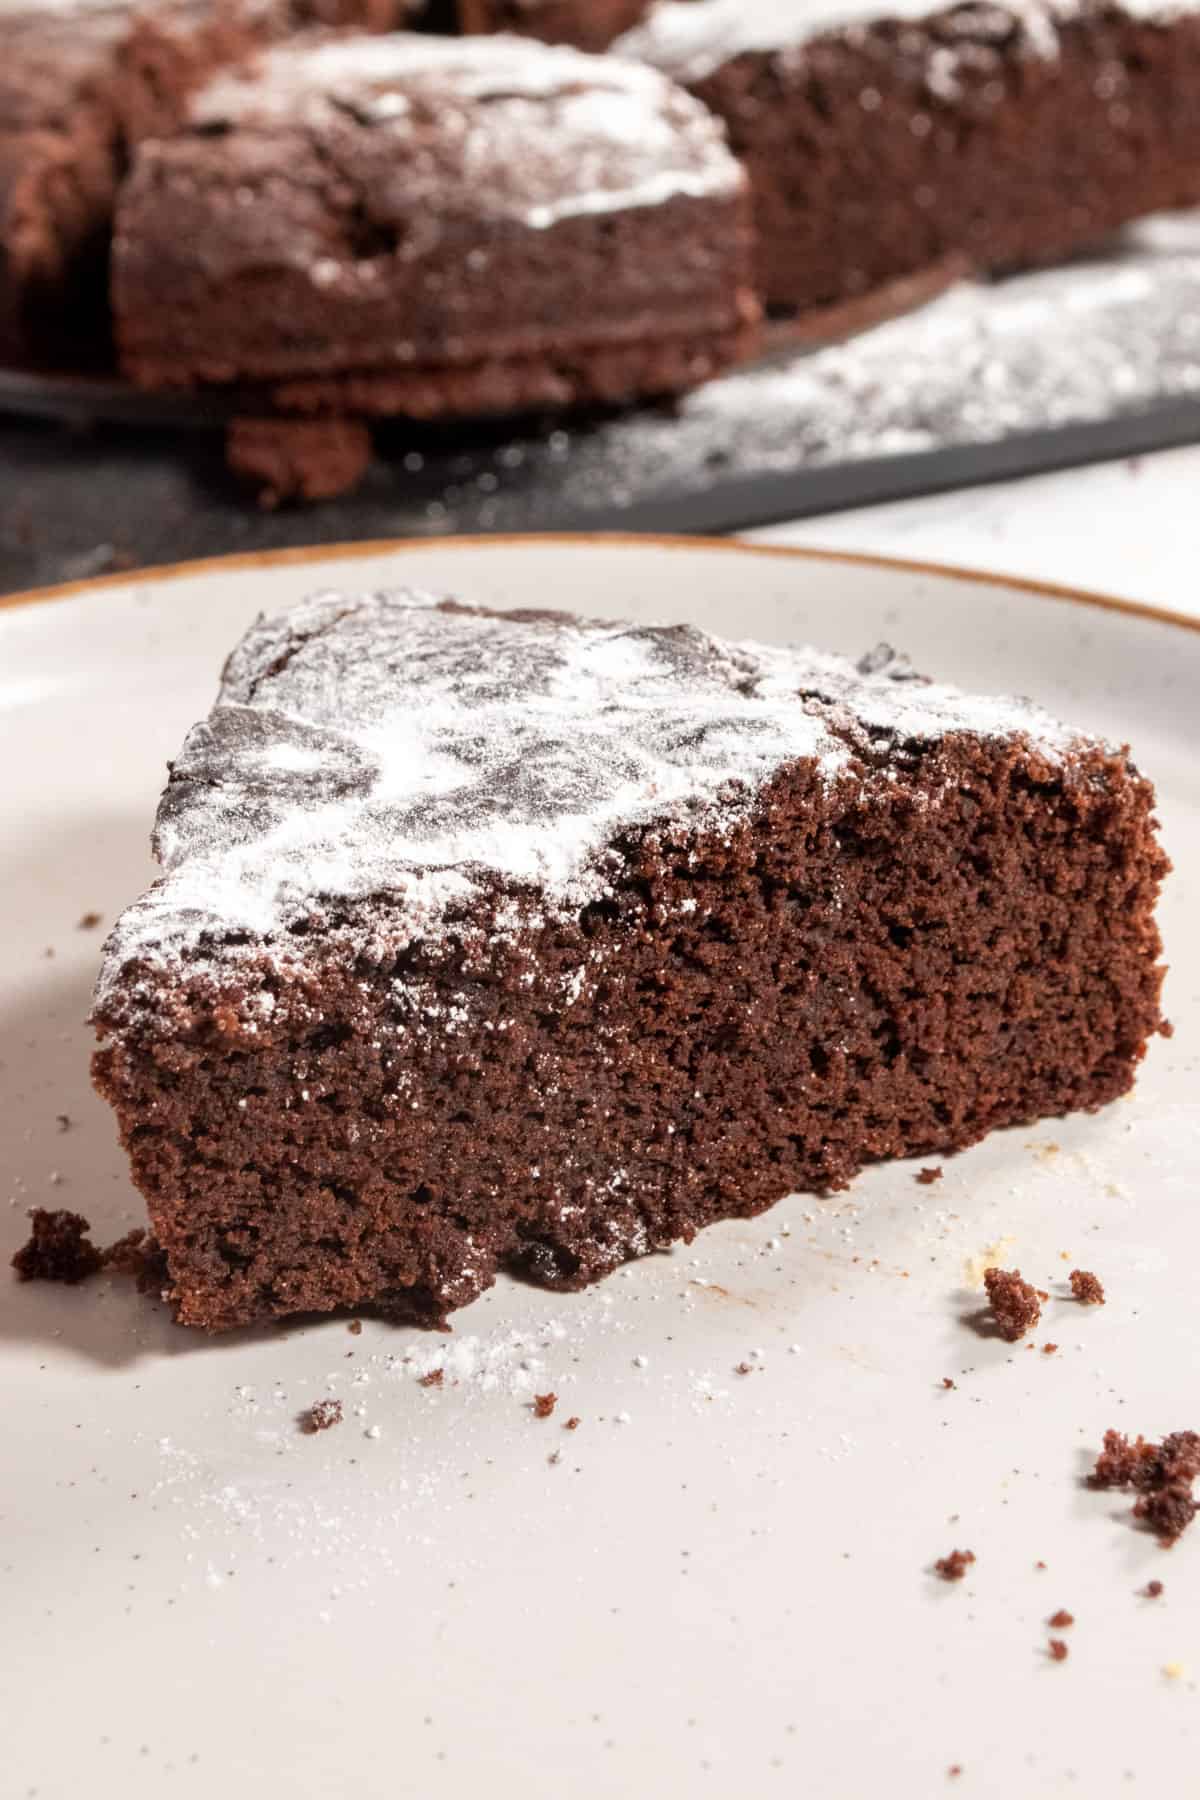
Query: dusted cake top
x: 394, y: 745
x: 499, y: 126
x: 688, y: 39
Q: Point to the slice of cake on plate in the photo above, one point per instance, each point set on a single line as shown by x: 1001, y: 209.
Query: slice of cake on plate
x: 513, y: 940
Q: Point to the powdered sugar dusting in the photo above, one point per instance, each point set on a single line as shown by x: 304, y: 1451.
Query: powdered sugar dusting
x: 522, y: 130
x: 391, y: 744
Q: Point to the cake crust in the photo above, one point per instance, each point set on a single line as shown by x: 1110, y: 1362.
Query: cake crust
x: 516, y: 941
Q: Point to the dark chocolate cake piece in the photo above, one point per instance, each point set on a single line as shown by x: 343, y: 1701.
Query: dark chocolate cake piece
x: 436, y: 226
x: 587, y: 24
x: 513, y: 940
x: 80, y: 82
x: 884, y: 139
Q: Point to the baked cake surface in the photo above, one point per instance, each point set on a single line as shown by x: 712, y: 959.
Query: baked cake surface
x: 885, y: 138
x: 427, y: 225
x: 515, y: 940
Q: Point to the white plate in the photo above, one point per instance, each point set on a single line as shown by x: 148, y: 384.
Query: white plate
x: 723, y: 1586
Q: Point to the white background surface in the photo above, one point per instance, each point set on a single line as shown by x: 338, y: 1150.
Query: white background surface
x: 723, y: 1587
x: 1129, y: 528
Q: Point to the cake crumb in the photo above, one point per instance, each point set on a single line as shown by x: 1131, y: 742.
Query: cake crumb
x: 355, y: 1328
x: 321, y: 1416
x: 139, y: 1255
x: 543, y: 1405
x: 1152, y: 1590
x: 1167, y: 1512
x: 63, y: 1121
x: 1161, y: 1473
x: 744, y: 1368
x: 954, y: 1770
x: 573, y: 1423
x: 927, y: 1177
x: 1145, y: 1466
x: 1039, y: 1564
x: 1058, y: 1650
x: 432, y: 1378
x: 59, y: 1249
x: 947, y: 1382
x: 1061, y: 1619
x: 1049, y: 1349
x: 1086, y: 1287
x: 1013, y: 1302
x: 89, y: 921
x: 954, y: 1566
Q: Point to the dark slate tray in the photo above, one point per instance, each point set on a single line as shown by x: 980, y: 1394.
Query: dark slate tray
x: 1097, y: 360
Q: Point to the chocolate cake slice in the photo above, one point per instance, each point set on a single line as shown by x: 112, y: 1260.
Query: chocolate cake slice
x: 884, y: 138
x: 80, y: 82
x: 586, y: 24
x: 436, y: 226
x: 513, y: 940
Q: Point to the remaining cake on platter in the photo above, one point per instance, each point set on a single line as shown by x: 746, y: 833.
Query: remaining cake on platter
x: 886, y: 138
x: 82, y: 81
x: 436, y: 226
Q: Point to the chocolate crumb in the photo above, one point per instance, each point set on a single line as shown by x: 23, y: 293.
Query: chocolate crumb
x: 544, y: 1405
x: 1061, y: 1619
x: 1013, y: 1302
x: 927, y: 1177
x: 1161, y: 1473
x: 744, y: 1368
x: 954, y: 1770
x: 954, y: 1566
x: 1168, y: 1512
x: 320, y: 1416
x: 140, y: 1255
x: 1152, y: 1590
x: 1049, y: 1349
x: 89, y: 921
x: 1058, y: 1650
x: 1086, y: 1288
x: 947, y: 1383
x: 434, y: 1378
x: 355, y: 1328
x: 1040, y: 1565
x: 1147, y: 1467
x: 58, y: 1249
x: 63, y: 1121
x: 573, y: 1423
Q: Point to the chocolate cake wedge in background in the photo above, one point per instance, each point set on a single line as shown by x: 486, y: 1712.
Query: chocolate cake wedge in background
x: 436, y: 226
x: 80, y: 82
x: 513, y: 940
x: 883, y: 139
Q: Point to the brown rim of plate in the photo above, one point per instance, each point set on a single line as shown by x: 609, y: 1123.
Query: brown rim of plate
x: 368, y: 547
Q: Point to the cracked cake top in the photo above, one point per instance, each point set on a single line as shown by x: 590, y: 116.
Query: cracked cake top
x: 399, y: 746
